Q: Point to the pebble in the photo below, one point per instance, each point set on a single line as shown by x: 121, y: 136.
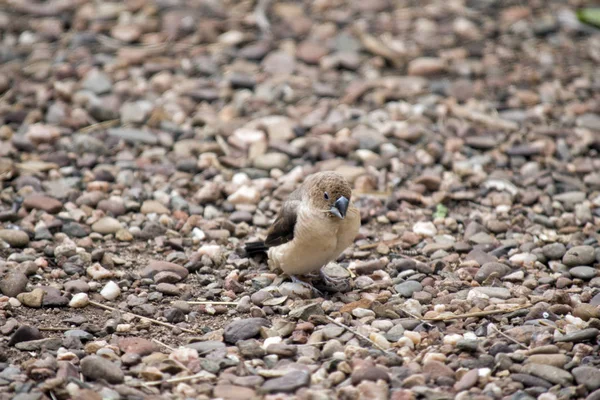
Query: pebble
x: 32, y: 299
x: 425, y: 229
x: 406, y: 289
x: 42, y: 202
x: 110, y: 291
x: 583, y: 272
x: 106, y: 226
x: 288, y: 383
x: 13, y: 283
x: 587, y: 376
x: 97, y: 368
x: 579, y: 255
x: 243, y: 329
x: 79, y: 300
x: 549, y: 373
x: 579, y: 336
x: 14, y: 238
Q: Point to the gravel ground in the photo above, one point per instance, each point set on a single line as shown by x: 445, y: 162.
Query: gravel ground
x: 142, y: 143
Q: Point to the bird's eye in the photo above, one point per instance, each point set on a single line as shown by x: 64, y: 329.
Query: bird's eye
x: 326, y: 196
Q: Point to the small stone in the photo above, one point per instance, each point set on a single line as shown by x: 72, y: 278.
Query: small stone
x: 154, y: 207
x: 425, y: 229
x: 110, y: 291
x: 245, y: 195
x: 168, y: 289
x: 369, y: 373
x: 498, y: 292
x: 137, y: 345
x: 32, y: 299
x: 406, y: 289
x: 426, y: 66
x: 98, y: 368
x: 106, y: 226
x: 269, y: 161
x: 232, y: 392
x: 488, y: 269
x: 305, y: 312
x: 79, y: 300
x: 243, y: 329
x: 97, y: 82
x: 156, y: 267
x: 587, y: 376
x: 579, y: 255
x: 437, y: 369
x: 586, y: 311
x: 551, y: 374
x: 467, y: 381
x: 24, y: 333
x: 14, y: 238
x: 579, y: 336
x: 13, y: 283
x: 583, y: 272
x: 554, y: 251
x: 42, y: 202
x: 288, y: 383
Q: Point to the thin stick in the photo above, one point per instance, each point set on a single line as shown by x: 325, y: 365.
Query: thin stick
x: 509, y: 338
x: 99, y: 125
x: 176, y: 380
x: 142, y: 318
x: 477, y: 314
x: 163, y: 344
x: 211, y: 303
x: 355, y: 333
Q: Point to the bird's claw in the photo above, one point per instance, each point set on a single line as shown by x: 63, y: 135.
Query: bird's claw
x: 306, y: 284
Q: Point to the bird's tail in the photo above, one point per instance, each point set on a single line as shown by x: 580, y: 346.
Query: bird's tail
x: 253, y: 248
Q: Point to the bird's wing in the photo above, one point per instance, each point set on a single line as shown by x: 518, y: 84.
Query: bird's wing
x: 282, y: 230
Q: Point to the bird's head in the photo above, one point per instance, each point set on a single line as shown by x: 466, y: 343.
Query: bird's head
x: 330, y: 193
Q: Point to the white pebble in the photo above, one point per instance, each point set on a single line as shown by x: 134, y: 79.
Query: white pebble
x: 110, y: 291
x: 414, y: 336
x: 425, y: 228
x: 405, y: 342
x: 452, y: 339
x: 245, y: 195
x: 470, y: 335
x: 362, y: 312
x: 123, y: 328
x: 198, y: 233
x: 413, y: 306
x: 98, y: 272
x: 271, y: 340
x: 79, y: 300
x: 14, y: 302
x: 380, y: 340
x: 434, y: 357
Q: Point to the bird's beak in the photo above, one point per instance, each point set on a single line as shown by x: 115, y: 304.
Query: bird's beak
x: 340, y: 207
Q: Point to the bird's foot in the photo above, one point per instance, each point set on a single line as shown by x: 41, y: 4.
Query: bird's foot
x: 299, y: 281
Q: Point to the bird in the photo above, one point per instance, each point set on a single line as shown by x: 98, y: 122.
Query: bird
x: 315, y: 224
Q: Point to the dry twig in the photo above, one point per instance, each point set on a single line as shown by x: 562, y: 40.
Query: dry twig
x: 509, y: 338
x: 477, y: 314
x: 177, y: 380
x: 155, y: 321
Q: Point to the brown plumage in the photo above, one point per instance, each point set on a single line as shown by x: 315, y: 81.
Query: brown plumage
x: 314, y: 226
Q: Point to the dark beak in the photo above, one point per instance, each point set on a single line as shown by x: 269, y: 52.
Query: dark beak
x: 340, y: 207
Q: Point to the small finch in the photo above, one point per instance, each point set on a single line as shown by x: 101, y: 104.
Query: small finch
x: 314, y: 226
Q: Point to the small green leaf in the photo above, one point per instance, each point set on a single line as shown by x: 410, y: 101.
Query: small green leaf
x: 440, y: 211
x: 590, y: 16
